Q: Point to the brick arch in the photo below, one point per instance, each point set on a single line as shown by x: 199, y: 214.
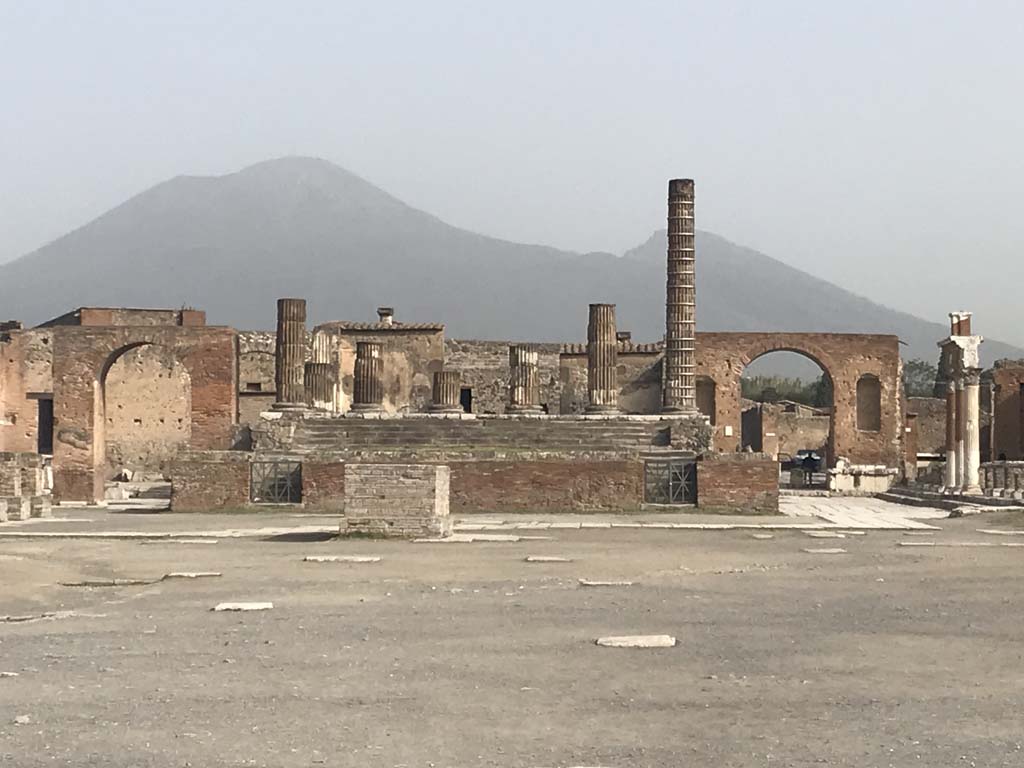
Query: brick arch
x: 844, y: 357
x: 82, y: 356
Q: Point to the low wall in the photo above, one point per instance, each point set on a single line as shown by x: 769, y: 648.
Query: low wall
x: 546, y: 486
x: 1003, y: 479
x: 738, y: 483
x: 209, y: 480
x: 396, y: 500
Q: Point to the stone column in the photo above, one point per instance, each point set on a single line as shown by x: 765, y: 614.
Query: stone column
x: 972, y: 430
x: 447, y: 386
x: 368, y: 388
x: 679, y: 394
x: 951, y: 446
x: 961, y: 421
x: 321, y: 381
x: 602, y: 360
x: 290, y: 353
x: 524, y: 379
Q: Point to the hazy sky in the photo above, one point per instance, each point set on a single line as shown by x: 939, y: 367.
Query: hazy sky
x: 876, y: 144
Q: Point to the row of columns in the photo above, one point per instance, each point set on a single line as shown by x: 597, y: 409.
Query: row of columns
x: 963, y: 407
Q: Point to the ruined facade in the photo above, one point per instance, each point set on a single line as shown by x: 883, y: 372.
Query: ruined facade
x: 604, y: 424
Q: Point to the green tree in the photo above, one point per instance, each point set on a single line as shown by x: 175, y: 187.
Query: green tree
x: 919, y: 378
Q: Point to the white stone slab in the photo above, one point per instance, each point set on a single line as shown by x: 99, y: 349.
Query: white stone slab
x: 637, y: 641
x: 961, y: 543
x: 762, y: 536
x: 192, y: 575
x: 546, y: 559
x: 341, y: 559
x: 592, y: 583
x: 998, y: 532
x: 824, y: 534
x: 243, y: 607
x: 825, y: 551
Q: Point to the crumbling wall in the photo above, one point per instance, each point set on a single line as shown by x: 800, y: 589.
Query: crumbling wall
x: 638, y: 374
x: 257, y: 388
x: 26, y: 376
x: 930, y: 424
x: 148, y: 409
x: 483, y: 366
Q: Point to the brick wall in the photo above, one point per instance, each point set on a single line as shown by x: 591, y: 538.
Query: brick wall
x: 931, y: 423
x: 484, y: 369
x: 209, y: 480
x: 323, y: 485
x: 738, y: 483
x: 399, y: 500
x: 546, y: 486
x: 1008, y: 417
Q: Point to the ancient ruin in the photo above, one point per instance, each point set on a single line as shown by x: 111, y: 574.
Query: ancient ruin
x: 241, y: 418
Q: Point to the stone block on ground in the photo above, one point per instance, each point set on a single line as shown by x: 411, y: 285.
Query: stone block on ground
x: 18, y: 508
x: 41, y: 506
x: 396, y: 500
x: 637, y: 641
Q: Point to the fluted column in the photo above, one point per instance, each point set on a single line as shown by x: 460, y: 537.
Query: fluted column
x: 602, y: 360
x: 524, y: 379
x: 447, y: 386
x: 679, y: 392
x: 290, y: 353
x: 972, y: 431
x: 321, y: 382
x: 951, y: 447
x: 368, y: 387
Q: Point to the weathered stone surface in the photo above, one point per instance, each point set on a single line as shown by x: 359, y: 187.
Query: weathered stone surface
x: 341, y: 559
x: 598, y: 583
x: 602, y: 364
x: 396, y: 500
x: 291, y: 352
x: 257, y: 606
x: 680, y: 301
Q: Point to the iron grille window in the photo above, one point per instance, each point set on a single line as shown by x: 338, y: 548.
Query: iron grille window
x: 276, y: 482
x: 670, y: 481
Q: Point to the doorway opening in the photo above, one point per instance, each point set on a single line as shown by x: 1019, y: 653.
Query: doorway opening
x: 44, y: 433
x: 466, y: 399
x: 787, y: 412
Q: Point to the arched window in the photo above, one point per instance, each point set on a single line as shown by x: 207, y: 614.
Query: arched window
x: 706, y: 397
x: 869, y: 404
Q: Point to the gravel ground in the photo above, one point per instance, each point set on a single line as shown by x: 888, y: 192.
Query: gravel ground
x: 465, y: 655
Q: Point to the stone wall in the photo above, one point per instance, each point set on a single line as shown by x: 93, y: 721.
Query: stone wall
x: 23, y: 492
x: 26, y: 376
x: 483, y: 366
x: 202, y: 481
x: 738, y: 483
x: 546, y: 486
x: 638, y: 377
x: 396, y: 500
x: 1008, y: 405
x: 931, y: 423
x: 148, y: 409
x: 411, y: 354
x: 323, y: 484
x: 257, y: 389
x: 129, y: 316
x: 1003, y: 479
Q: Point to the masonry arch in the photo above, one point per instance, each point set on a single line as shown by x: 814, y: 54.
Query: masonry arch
x: 844, y: 357
x: 144, y: 408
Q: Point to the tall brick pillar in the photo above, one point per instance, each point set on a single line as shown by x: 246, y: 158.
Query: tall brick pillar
x: 290, y: 353
x: 679, y: 392
x: 368, y: 389
x: 523, y: 379
x: 321, y: 383
x: 447, y: 387
x: 602, y: 360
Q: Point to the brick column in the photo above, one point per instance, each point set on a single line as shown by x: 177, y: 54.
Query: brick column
x: 972, y: 430
x: 602, y: 360
x: 951, y: 446
x: 679, y: 394
x: 524, y: 379
x: 368, y: 389
x: 447, y: 386
x: 321, y: 381
x: 290, y: 353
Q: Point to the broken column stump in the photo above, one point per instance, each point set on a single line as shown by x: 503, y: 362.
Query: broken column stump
x: 396, y: 500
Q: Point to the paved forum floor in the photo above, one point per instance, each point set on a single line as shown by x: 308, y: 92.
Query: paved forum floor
x: 465, y: 655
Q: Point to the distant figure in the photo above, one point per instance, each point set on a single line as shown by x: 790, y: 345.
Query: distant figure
x: 1002, y: 456
x: 809, y: 464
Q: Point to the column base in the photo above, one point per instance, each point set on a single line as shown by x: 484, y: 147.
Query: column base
x: 972, y: 490
x: 524, y: 410
x: 289, y: 407
x: 602, y: 410
x: 445, y: 409
x: 367, y: 408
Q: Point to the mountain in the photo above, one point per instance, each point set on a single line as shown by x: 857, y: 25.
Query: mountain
x: 233, y: 244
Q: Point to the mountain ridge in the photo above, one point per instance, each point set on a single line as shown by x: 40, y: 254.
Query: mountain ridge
x: 302, y: 226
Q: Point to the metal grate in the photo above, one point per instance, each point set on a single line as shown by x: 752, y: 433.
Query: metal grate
x: 670, y: 481
x: 276, y: 482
